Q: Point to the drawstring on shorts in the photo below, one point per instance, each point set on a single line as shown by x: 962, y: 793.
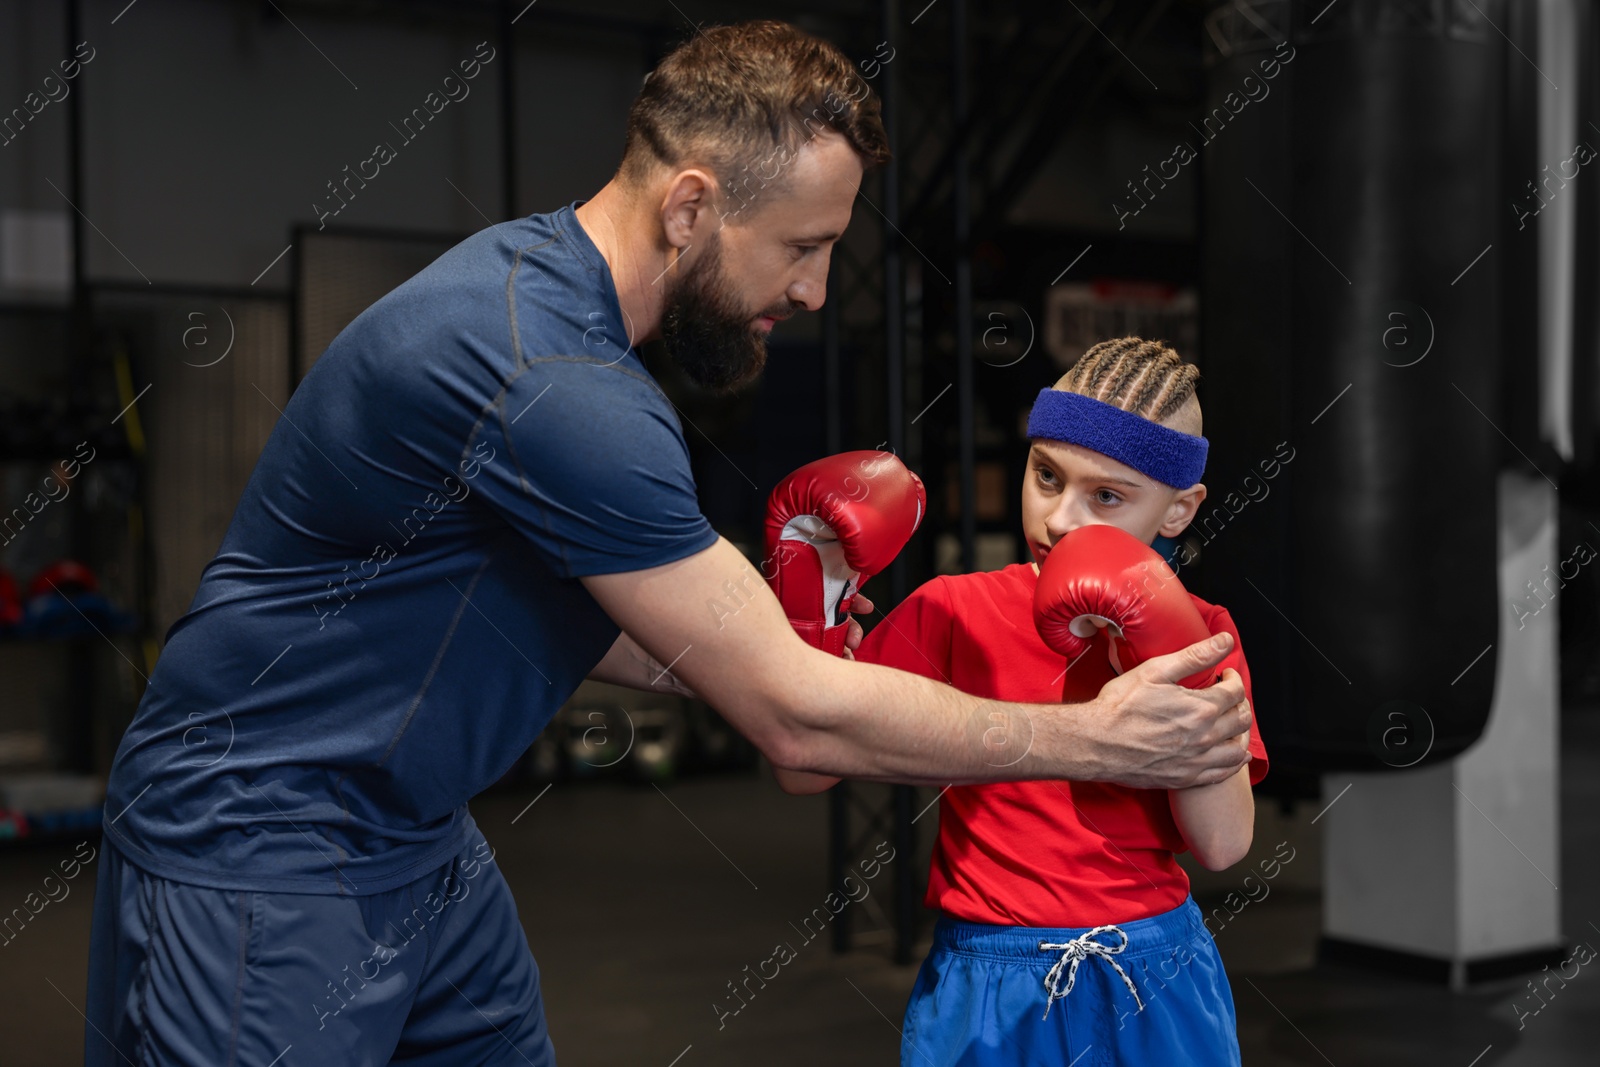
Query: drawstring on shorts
x: 1075, y: 952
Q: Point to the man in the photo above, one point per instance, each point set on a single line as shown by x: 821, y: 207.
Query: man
x: 477, y: 498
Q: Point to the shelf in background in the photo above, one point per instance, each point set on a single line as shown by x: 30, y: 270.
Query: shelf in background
x: 40, y: 805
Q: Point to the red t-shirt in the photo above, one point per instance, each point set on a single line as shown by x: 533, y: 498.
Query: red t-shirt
x: 1040, y: 853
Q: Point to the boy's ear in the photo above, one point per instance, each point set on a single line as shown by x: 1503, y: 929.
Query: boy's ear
x: 1181, y: 512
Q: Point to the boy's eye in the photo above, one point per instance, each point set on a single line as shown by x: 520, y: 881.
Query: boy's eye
x: 1046, y: 475
x: 1103, y: 493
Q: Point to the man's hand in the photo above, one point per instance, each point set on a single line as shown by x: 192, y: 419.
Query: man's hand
x: 1152, y: 733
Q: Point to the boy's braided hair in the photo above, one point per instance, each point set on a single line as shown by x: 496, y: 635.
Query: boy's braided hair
x: 1145, y: 377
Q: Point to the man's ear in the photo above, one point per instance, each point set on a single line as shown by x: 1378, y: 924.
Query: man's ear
x: 1181, y: 512
x: 688, y: 207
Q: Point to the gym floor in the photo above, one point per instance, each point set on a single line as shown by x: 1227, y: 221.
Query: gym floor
x: 665, y: 896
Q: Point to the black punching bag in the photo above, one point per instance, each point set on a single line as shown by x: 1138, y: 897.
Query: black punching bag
x: 1350, y: 334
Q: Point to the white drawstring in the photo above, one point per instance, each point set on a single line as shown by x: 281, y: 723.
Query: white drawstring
x: 1075, y: 952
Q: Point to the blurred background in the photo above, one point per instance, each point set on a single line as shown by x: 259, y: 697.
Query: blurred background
x: 1372, y: 223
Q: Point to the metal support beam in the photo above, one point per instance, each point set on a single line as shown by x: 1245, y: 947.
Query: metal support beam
x: 508, y: 111
x: 905, y: 875
x: 1047, y: 115
x: 961, y: 195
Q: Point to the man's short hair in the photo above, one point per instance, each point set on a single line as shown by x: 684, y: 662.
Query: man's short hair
x: 744, y: 98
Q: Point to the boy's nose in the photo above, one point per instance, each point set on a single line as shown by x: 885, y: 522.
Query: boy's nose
x: 1064, y: 519
x: 1067, y: 524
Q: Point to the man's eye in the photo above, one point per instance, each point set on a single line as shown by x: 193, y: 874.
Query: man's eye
x: 805, y: 248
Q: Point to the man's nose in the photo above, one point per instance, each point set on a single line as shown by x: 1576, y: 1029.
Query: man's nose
x: 810, y: 290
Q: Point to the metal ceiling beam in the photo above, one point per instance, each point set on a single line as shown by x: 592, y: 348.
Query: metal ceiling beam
x: 1048, y: 111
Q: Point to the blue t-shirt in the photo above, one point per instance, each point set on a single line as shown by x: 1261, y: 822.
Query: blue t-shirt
x: 394, y: 613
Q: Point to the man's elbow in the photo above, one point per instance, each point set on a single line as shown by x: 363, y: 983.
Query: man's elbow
x: 789, y: 744
x: 802, y: 783
x: 770, y: 723
x: 782, y: 718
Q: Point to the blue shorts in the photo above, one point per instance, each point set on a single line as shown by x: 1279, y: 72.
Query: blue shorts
x: 984, y: 996
x: 434, y: 972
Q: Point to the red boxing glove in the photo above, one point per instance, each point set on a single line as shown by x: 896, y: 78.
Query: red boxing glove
x: 831, y: 525
x: 1103, y: 572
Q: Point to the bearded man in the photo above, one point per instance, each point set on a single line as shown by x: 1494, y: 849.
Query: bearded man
x: 477, y: 498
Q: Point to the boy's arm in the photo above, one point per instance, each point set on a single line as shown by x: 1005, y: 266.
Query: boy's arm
x: 1217, y: 821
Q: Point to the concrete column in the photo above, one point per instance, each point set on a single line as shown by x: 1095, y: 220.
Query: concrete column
x: 1454, y: 868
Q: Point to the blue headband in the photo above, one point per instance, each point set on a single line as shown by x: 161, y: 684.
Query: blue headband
x: 1170, y: 457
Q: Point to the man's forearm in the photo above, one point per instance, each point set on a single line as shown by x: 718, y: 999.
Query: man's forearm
x: 862, y: 721
x: 809, y: 711
x: 629, y: 665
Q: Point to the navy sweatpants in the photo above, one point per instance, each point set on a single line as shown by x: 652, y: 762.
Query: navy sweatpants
x: 435, y: 972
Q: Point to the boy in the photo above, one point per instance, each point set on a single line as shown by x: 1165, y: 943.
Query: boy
x: 1032, y: 879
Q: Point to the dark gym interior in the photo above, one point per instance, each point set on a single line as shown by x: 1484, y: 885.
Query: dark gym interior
x: 1384, y: 255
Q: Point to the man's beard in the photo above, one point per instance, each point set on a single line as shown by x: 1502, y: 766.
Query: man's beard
x: 711, y: 338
